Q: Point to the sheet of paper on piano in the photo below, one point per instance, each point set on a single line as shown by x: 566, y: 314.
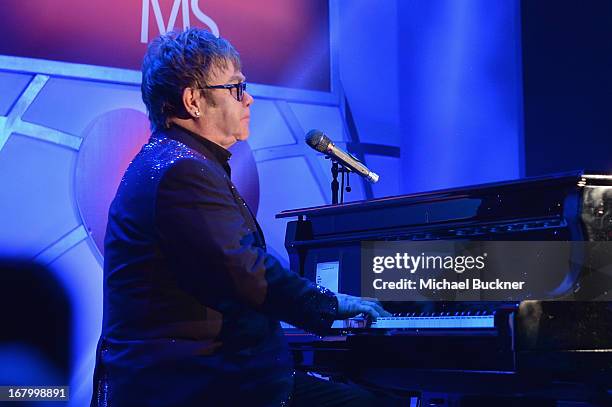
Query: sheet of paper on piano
x: 328, y: 274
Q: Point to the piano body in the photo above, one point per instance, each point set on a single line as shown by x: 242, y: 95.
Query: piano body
x: 457, y: 353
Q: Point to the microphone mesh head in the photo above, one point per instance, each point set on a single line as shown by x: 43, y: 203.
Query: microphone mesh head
x: 317, y: 140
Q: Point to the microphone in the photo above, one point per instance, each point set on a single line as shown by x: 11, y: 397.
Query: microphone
x: 320, y: 142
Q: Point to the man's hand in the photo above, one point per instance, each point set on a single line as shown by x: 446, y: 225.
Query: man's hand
x: 349, y: 306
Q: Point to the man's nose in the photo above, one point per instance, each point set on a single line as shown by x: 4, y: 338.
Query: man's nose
x: 247, y: 99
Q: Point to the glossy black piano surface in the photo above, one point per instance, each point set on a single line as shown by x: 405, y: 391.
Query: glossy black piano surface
x: 536, y: 350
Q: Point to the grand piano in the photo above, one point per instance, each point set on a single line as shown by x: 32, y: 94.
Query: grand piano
x: 443, y: 353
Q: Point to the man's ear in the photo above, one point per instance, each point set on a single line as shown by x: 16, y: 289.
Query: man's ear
x: 192, y: 102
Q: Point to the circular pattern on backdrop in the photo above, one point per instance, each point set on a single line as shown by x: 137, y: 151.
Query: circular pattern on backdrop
x: 110, y: 142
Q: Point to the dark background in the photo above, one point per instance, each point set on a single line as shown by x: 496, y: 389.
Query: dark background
x: 567, y: 77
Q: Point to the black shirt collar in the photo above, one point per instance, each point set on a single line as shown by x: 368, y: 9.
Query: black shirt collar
x: 204, y: 146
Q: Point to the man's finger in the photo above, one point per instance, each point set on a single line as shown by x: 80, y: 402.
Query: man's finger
x: 381, y: 311
x: 371, y: 311
x: 376, y: 304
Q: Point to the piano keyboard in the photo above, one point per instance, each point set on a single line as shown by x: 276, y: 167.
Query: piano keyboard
x: 418, y: 321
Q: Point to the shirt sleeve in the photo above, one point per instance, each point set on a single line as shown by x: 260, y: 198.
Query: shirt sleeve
x: 213, y: 253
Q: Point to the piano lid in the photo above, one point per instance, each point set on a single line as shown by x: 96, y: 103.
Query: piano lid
x: 568, y: 180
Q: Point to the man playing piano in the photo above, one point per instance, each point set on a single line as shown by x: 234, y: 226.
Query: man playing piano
x: 192, y: 300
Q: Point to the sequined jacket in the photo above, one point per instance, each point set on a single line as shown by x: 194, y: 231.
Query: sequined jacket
x: 192, y: 300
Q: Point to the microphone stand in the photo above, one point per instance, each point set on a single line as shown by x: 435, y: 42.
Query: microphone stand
x: 335, y: 187
x: 337, y: 168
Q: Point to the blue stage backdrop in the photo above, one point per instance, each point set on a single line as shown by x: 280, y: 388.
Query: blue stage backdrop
x: 461, y: 98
